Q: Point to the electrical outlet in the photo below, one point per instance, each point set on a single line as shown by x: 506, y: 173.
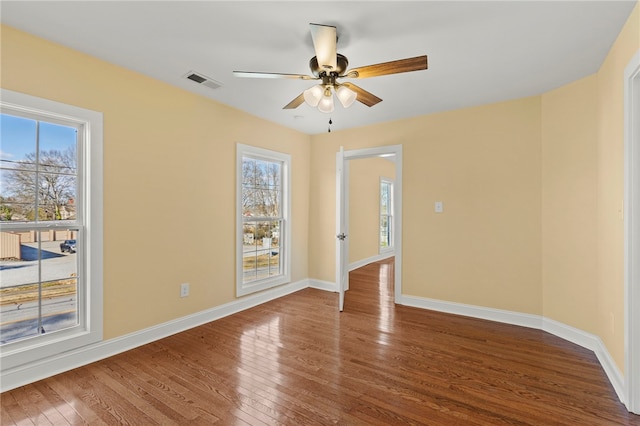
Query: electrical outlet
x: 184, y: 290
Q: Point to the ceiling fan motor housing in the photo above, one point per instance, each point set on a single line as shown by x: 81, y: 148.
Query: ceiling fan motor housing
x: 341, y: 66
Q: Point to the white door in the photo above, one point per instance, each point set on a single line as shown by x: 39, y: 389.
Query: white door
x: 342, y: 226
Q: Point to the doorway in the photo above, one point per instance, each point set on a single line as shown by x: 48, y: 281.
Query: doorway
x: 371, y: 232
x: 343, y: 158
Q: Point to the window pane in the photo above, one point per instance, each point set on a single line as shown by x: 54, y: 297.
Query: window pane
x: 261, y: 250
x: 19, y: 263
x: 46, y: 257
x: 248, y: 167
x: 17, y: 195
x: 17, y: 163
x: 384, y: 231
x: 42, y: 170
x: 59, y: 305
x: 18, y: 137
x: 255, y: 173
x: 57, y: 182
x: 248, y: 202
x: 261, y: 175
x: 260, y: 202
x: 262, y: 269
x: 270, y: 202
x: 58, y: 148
x: 386, y: 212
x: 19, y: 312
x: 57, y: 197
x: 249, y: 247
x: 59, y: 258
x: 261, y: 190
x: 274, y: 175
x: 384, y: 198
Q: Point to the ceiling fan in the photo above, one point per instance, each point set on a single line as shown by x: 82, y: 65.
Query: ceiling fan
x: 329, y: 66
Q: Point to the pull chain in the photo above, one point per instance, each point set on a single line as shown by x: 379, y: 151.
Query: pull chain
x: 330, y: 123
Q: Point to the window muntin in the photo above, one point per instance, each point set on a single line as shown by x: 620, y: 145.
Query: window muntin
x: 263, y: 224
x: 57, y: 149
x: 386, y: 214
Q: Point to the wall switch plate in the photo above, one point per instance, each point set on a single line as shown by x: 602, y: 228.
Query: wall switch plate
x: 184, y: 290
x: 438, y: 207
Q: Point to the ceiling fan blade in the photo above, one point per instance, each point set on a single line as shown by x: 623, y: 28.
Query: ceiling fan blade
x: 296, y: 102
x: 324, y: 42
x: 272, y: 75
x: 367, y: 98
x: 394, y: 67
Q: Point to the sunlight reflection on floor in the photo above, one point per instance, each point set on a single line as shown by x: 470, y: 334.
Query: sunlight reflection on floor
x: 386, y: 300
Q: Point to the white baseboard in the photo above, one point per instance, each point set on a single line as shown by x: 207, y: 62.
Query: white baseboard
x: 498, y: 315
x: 593, y: 343
x: 37, y: 370
x: 44, y: 368
x: 323, y: 285
x: 360, y: 263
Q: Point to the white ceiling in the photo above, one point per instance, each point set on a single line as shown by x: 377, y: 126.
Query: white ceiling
x: 479, y: 51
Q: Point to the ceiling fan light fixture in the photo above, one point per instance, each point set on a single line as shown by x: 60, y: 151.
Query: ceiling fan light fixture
x: 326, y: 103
x: 346, y: 96
x: 329, y: 67
x: 313, y: 95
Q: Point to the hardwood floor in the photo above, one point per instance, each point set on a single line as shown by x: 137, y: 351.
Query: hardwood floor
x: 297, y: 361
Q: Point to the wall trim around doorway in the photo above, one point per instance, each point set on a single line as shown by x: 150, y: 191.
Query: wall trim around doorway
x: 632, y: 233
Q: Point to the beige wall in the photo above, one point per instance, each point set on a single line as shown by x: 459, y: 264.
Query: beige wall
x: 364, y: 205
x: 610, y: 188
x: 169, y: 161
x: 583, y: 182
x: 484, y: 164
x: 569, y: 204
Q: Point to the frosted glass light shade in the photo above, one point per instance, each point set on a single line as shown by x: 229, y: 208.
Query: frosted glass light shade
x: 313, y: 95
x: 346, y: 96
x: 326, y: 104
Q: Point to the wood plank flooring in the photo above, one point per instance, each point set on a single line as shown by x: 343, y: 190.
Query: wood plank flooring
x: 297, y: 361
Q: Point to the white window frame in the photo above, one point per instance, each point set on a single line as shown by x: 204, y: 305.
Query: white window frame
x: 89, y: 330
x: 390, y: 220
x: 242, y: 288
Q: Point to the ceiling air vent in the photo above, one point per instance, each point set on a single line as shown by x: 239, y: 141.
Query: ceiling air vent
x: 202, y: 79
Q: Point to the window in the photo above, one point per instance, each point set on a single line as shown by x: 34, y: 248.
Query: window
x: 386, y: 215
x: 50, y: 228
x: 263, y: 226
